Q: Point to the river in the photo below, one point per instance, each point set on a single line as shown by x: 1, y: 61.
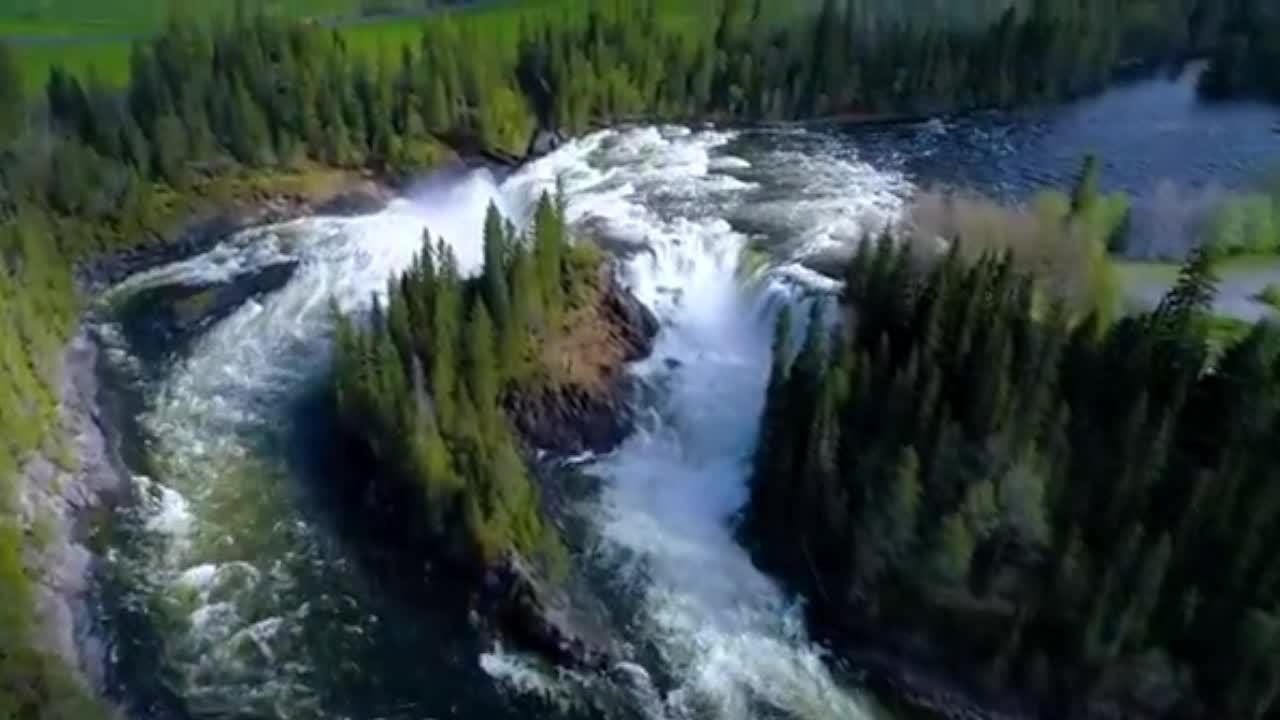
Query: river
x: 238, y: 586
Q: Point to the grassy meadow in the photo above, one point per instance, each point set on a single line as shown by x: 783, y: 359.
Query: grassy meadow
x: 92, y: 38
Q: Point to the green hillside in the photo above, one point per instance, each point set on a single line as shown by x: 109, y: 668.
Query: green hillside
x: 93, y: 39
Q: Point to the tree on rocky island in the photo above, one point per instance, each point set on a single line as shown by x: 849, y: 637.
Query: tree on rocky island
x: 421, y: 385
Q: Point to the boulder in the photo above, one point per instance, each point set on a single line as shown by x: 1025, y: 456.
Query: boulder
x: 540, y: 616
x: 572, y: 418
x: 544, y: 142
x: 364, y: 198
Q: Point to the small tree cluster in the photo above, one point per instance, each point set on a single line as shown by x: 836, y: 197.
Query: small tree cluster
x: 421, y: 386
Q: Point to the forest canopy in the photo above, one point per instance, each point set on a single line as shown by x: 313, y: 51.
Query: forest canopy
x: 1074, y: 508
x: 420, y: 386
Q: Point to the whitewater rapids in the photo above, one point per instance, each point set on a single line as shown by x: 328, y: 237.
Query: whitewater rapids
x: 268, y: 612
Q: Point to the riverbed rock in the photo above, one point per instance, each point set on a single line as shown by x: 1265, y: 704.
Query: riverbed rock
x: 540, y: 616
x: 55, y: 492
x: 166, y: 319
x: 363, y: 198
x: 590, y: 411
x: 206, y: 229
x: 544, y: 142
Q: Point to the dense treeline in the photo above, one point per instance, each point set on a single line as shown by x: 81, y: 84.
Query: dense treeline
x: 421, y: 385
x: 263, y: 91
x: 856, y: 57
x: 1081, y: 510
x: 1248, y: 51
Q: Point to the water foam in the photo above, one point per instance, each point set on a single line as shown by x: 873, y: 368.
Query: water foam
x: 728, y: 643
x: 230, y: 544
x: 822, y: 198
x: 730, y: 640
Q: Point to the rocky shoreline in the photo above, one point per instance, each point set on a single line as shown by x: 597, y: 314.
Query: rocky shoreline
x: 359, y: 196
x: 58, y: 500
x: 59, y: 492
x: 569, y: 419
x: 560, y: 422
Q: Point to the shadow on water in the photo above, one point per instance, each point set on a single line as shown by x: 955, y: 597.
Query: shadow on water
x: 420, y: 649
x: 425, y: 646
x: 385, y: 636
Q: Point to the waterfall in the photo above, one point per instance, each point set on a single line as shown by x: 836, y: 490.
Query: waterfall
x: 268, y: 614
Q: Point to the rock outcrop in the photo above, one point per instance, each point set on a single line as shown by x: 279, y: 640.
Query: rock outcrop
x: 541, y: 617
x: 53, y: 499
x: 589, y: 409
x: 544, y: 142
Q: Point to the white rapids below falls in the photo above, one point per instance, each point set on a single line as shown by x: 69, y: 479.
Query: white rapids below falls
x: 231, y: 559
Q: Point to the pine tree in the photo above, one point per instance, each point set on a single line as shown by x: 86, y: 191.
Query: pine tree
x: 952, y: 550
x: 250, y: 137
x: 496, y: 293
x: 483, y: 379
x: 446, y: 329
x: 1196, y: 285
x: 549, y: 249
x: 13, y: 101
x: 526, y: 312
x: 170, y: 150
x: 1087, y: 190
x: 902, y: 505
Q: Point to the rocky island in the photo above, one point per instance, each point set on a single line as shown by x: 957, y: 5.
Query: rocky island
x: 451, y: 388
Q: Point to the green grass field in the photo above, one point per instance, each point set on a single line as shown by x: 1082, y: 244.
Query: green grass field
x: 71, y: 18
x: 93, y: 37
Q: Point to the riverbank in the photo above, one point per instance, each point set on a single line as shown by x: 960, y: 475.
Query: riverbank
x: 619, y: 328
x: 79, y: 473
x: 57, y: 494
x: 217, y: 208
x: 873, y: 682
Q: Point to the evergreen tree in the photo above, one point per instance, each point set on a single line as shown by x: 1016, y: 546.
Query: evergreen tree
x: 496, y: 293
x: 953, y: 550
x: 1085, y: 194
x: 549, y: 251
x: 13, y: 102
x: 170, y: 149
x: 482, y: 363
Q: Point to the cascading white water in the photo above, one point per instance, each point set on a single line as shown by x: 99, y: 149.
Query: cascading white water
x: 723, y: 630
x: 240, y: 567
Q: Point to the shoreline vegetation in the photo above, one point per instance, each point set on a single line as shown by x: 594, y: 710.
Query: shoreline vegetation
x: 232, y: 113
x: 1075, y: 508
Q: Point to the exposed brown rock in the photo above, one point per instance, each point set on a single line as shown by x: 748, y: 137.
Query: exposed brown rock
x: 585, y: 403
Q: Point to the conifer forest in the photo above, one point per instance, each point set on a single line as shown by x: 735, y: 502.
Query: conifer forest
x: 1012, y: 452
